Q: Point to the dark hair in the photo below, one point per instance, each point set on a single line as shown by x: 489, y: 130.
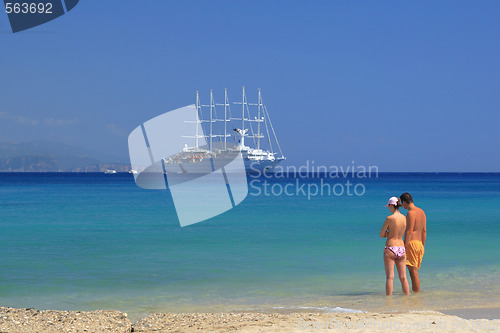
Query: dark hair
x: 406, y: 197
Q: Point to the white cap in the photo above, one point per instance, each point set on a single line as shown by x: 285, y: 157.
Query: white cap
x: 392, y: 201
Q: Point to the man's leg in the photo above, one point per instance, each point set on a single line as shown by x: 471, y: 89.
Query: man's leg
x: 415, y: 281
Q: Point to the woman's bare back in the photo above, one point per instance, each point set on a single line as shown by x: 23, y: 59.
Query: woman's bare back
x: 396, y: 224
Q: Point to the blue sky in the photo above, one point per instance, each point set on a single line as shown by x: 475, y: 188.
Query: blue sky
x: 406, y: 86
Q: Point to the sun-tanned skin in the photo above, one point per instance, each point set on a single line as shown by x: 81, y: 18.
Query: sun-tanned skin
x: 416, y: 229
x: 394, y: 229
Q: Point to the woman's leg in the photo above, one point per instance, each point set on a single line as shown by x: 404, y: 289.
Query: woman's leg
x: 401, y: 266
x: 389, y: 257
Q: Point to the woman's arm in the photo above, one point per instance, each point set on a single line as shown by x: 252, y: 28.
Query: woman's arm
x: 383, y: 231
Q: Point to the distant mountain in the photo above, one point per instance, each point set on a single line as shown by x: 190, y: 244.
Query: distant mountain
x: 46, y: 156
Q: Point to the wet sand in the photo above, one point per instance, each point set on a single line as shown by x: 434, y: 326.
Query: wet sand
x: 475, y: 313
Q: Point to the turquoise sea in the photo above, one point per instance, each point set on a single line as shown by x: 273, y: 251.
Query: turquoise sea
x: 77, y: 241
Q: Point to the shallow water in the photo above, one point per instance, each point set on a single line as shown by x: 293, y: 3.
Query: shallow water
x: 95, y: 241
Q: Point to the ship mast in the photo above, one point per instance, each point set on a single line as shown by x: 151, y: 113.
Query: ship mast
x: 226, y: 105
x: 211, y: 117
x: 259, y: 120
x: 198, y: 111
x: 243, y: 110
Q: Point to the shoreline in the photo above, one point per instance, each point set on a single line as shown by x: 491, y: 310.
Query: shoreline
x: 14, y: 320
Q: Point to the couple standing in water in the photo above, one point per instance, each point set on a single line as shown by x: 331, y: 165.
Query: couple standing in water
x: 407, y: 252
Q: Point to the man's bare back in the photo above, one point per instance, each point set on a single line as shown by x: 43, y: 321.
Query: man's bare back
x: 416, y: 225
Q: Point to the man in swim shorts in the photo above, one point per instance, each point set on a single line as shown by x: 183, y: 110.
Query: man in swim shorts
x: 416, y: 232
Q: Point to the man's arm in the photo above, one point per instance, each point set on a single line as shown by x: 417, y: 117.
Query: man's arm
x: 424, y: 231
x: 410, y: 225
x: 383, y: 231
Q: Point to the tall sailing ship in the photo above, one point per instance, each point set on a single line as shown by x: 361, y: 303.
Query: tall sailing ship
x: 220, y: 139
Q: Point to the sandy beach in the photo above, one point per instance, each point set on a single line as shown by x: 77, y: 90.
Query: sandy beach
x: 31, y: 320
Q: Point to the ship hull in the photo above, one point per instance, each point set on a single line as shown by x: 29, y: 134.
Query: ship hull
x: 205, y: 166
x: 261, y: 166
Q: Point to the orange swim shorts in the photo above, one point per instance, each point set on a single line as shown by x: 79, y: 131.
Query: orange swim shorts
x: 414, y: 253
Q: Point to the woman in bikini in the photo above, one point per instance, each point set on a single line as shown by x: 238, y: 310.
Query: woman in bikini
x: 394, y: 252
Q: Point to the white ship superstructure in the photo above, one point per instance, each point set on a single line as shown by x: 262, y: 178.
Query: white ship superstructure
x: 257, y: 159
x: 218, y: 139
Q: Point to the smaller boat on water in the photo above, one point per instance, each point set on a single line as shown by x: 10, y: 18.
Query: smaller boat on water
x: 110, y: 171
